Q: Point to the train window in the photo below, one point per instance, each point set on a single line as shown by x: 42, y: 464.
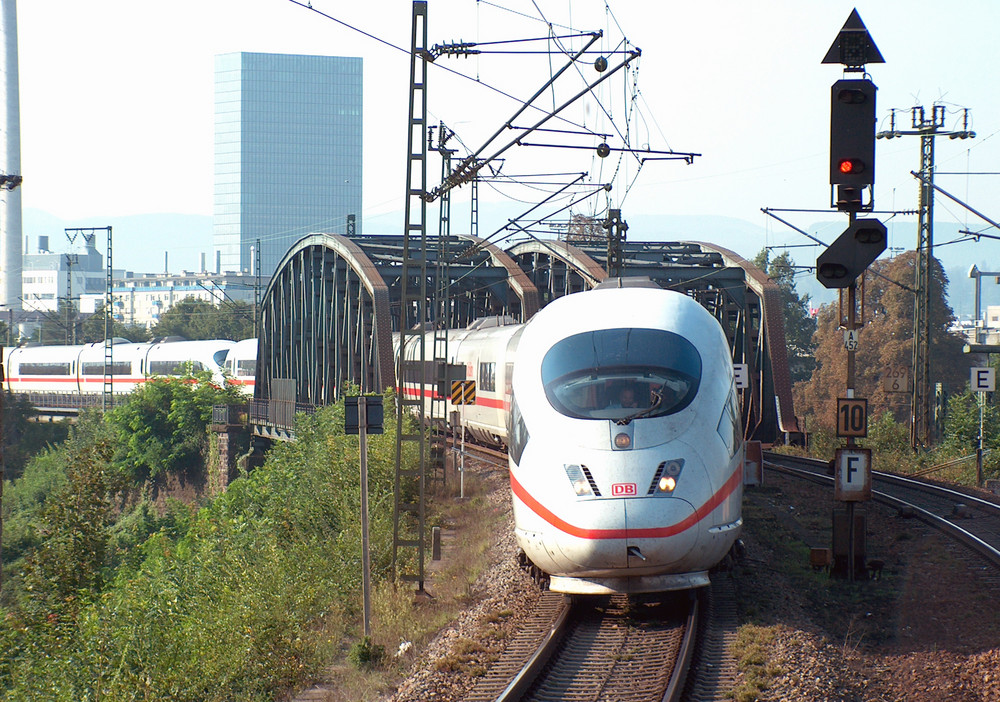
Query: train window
x: 43, y: 368
x: 729, y: 427
x: 614, y: 373
x: 97, y: 368
x: 246, y: 367
x: 487, y: 377
x: 517, y: 432
x: 175, y: 367
x: 220, y: 356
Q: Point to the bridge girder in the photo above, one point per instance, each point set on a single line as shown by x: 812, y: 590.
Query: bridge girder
x: 328, y: 314
x: 324, y: 323
x: 330, y: 310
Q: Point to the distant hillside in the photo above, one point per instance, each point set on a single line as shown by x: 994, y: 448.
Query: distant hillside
x: 141, y: 240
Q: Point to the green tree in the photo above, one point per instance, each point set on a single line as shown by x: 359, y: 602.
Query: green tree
x: 198, y: 319
x: 962, y: 423
x: 886, y: 342
x: 23, y: 438
x: 92, y: 329
x: 799, y: 325
x: 163, y: 424
x: 74, y: 523
x: 59, y: 327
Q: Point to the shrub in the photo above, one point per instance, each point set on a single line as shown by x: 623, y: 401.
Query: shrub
x: 163, y: 425
x: 366, y: 655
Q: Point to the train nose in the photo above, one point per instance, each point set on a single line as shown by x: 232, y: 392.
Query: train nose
x: 659, y: 531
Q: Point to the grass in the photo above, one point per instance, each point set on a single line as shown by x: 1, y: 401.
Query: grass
x: 404, y: 624
x: 838, y: 607
x: 752, y: 652
x: 464, y: 658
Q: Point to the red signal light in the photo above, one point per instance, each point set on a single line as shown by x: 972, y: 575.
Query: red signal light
x: 851, y: 166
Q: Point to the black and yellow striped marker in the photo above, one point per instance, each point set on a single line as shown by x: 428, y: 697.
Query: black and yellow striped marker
x: 463, y: 392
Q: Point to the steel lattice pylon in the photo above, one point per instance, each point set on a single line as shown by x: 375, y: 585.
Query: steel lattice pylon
x: 408, y: 516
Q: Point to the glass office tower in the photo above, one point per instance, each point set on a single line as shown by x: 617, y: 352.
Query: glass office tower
x: 287, y: 153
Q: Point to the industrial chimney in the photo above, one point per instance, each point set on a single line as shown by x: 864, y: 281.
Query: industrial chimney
x: 10, y: 161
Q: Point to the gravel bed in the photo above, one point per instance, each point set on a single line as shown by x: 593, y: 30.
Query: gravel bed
x: 503, y: 588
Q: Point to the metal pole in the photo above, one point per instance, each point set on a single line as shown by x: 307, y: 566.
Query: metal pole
x: 461, y: 467
x: 366, y: 564
x: 979, y: 449
x: 852, y: 303
x: 3, y: 458
x: 109, y: 329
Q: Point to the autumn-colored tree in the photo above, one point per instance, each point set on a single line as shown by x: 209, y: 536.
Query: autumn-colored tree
x: 886, y: 342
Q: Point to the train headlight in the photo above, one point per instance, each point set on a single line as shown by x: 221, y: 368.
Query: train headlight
x: 666, y: 477
x: 579, y: 480
x: 622, y: 441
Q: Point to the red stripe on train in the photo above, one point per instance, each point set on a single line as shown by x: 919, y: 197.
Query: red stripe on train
x: 481, y: 400
x: 650, y: 533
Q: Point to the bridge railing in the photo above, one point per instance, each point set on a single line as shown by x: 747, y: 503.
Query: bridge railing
x: 278, y: 413
x: 68, y: 403
x: 230, y: 415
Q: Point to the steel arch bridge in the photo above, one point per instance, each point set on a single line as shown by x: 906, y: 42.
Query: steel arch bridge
x: 329, y: 312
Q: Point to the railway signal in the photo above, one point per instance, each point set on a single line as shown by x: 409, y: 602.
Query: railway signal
x: 852, y: 133
x: 852, y: 170
x: 852, y: 417
x: 853, y: 251
x: 463, y: 392
x: 852, y: 475
x: 363, y: 416
x: 983, y: 380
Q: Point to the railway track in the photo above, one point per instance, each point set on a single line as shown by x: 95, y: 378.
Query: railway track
x: 968, y: 519
x: 615, y: 648
x: 485, y: 453
x: 598, y: 649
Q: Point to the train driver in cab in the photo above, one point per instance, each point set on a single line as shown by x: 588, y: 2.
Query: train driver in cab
x: 626, y: 397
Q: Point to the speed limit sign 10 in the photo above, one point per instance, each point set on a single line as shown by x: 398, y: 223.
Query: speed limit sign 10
x: 852, y: 416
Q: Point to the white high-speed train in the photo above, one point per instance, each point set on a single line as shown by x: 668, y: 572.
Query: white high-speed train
x: 241, y: 365
x: 620, y: 413
x: 79, y: 369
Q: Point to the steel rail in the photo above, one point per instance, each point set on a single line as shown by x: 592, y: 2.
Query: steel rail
x: 517, y: 687
x: 679, y: 676
x: 963, y: 536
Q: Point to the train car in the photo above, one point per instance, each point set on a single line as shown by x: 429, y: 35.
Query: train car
x: 620, y: 413
x: 480, y: 350
x: 79, y: 369
x: 241, y: 365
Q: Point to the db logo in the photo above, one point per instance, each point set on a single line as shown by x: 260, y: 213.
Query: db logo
x: 623, y: 489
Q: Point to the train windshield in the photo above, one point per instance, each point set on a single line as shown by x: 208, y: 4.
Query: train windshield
x: 617, y: 373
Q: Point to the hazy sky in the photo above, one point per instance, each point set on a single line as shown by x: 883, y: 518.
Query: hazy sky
x: 117, y: 98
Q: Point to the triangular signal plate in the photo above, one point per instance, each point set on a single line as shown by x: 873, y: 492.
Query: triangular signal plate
x: 854, y: 46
